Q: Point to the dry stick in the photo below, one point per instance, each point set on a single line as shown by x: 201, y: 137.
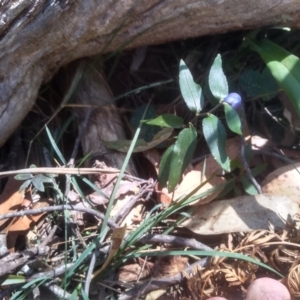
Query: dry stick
x: 49, y: 237
x: 174, y: 240
x: 61, y: 170
x: 89, y: 274
x: 57, y: 291
x: 156, y: 284
x: 53, y: 273
x: 54, y: 208
x: 123, y: 212
x: 14, y: 260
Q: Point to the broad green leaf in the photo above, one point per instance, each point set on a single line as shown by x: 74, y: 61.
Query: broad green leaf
x: 232, y: 119
x: 44, y: 178
x: 215, y: 136
x: 248, y: 186
x: 164, y: 167
x: 190, y: 90
x: 217, y: 80
x: 183, y: 151
x: 141, y: 145
x: 284, y: 66
x: 24, y: 185
x: 36, y: 181
x: 258, y: 84
x: 166, y: 120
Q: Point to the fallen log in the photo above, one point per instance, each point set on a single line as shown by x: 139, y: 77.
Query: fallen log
x: 37, y: 37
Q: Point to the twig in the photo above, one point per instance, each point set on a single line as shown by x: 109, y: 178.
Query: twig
x: 90, y: 273
x: 174, y: 240
x: 53, y: 273
x: 49, y: 237
x: 54, y: 208
x: 15, y: 260
x: 57, y: 291
x: 123, y: 212
x: 69, y: 171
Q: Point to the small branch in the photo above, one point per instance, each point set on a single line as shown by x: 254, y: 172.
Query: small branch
x: 53, y: 273
x: 57, y: 291
x: 49, y: 237
x: 54, y: 208
x: 89, y: 274
x: 61, y: 170
x: 123, y: 212
x: 174, y: 240
x: 15, y: 260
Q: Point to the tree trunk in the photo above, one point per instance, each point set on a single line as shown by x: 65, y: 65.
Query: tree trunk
x: 39, y: 36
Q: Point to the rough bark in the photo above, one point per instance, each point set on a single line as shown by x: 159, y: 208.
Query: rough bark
x: 39, y: 36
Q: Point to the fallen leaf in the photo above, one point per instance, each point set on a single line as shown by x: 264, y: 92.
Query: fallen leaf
x: 245, y: 213
x: 133, y: 272
x: 21, y: 225
x: 10, y: 200
x: 284, y: 181
x: 117, y: 237
x: 125, y: 187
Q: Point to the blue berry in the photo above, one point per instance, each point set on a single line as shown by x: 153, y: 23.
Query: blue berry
x: 234, y: 100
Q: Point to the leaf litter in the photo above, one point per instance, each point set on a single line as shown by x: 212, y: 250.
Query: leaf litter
x: 263, y: 227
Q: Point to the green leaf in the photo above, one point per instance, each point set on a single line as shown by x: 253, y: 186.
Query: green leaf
x: 217, y: 80
x: 54, y: 146
x: 24, y: 185
x: 182, y: 155
x: 232, y: 118
x: 284, y: 66
x: 258, y: 84
x: 23, y: 176
x: 141, y: 145
x: 249, y: 188
x: 166, y: 120
x: 38, y: 184
x: 44, y: 178
x: 191, y: 91
x: 215, y: 136
x: 13, y: 279
x: 164, y: 167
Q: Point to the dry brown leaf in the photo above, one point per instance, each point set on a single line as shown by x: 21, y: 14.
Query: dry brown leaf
x: 117, y: 238
x: 125, y: 187
x: 170, y: 265
x: 133, y: 272
x: 245, y: 213
x: 10, y: 199
x: 284, y: 181
x: 21, y: 225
